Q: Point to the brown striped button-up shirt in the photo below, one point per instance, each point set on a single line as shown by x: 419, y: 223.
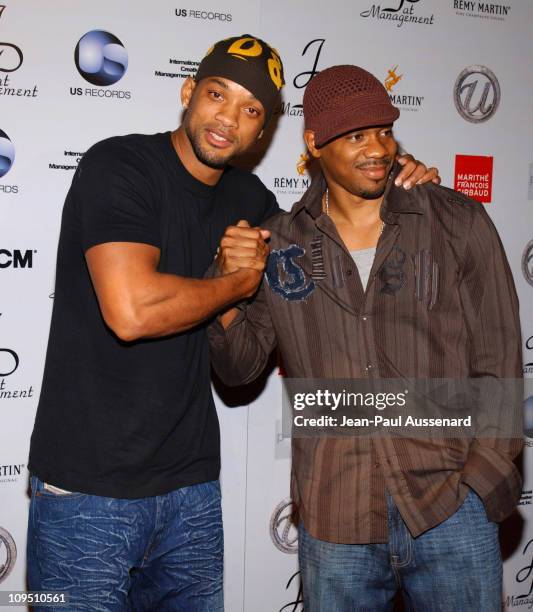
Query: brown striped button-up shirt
x: 440, y: 303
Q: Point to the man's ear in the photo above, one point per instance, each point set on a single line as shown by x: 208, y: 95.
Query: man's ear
x: 187, y: 90
x: 309, y: 137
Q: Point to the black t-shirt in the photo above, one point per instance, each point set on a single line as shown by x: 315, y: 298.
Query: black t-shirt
x: 134, y: 419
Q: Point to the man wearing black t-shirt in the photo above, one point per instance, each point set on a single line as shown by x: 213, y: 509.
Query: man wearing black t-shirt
x: 125, y: 510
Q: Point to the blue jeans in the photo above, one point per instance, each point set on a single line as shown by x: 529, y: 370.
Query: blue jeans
x: 158, y: 553
x: 454, y: 567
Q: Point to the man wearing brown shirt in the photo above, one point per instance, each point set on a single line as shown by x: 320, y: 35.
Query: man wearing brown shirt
x: 378, y: 513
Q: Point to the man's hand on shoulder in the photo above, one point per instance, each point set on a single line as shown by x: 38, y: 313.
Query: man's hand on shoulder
x: 414, y: 172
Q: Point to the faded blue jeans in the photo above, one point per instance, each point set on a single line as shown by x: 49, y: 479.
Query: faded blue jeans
x: 454, y: 567
x: 158, y: 553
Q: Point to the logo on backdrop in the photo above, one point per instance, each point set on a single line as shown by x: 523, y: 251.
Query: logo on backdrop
x: 527, y: 262
x: 16, y: 258
x: 301, y: 166
x: 528, y: 366
x: 283, y: 532
x: 298, y: 604
x: 8, y: 554
x: 311, y: 52
x: 7, y: 157
x: 301, y: 80
x: 524, y: 576
x: 526, y: 497
x: 294, y: 185
x: 404, y: 102
x: 11, y: 473
x: 201, y: 14
x: 9, y: 363
x: 71, y: 161
x: 477, y: 94
x: 101, y: 58
x: 400, y: 12
x: 530, y: 183
x: 11, y: 59
x: 481, y: 10
x: 473, y: 176
x: 392, y: 79
x: 185, y: 68
x: 11, y: 56
x: 7, y: 153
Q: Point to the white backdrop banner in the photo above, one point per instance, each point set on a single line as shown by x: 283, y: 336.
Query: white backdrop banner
x: 458, y: 71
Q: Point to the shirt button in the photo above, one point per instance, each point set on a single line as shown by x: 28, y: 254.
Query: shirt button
x: 368, y: 366
x: 348, y: 272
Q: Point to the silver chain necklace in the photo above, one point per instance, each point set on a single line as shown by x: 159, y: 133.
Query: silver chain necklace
x: 327, y: 211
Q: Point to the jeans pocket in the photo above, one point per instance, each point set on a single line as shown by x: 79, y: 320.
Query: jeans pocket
x: 46, y: 490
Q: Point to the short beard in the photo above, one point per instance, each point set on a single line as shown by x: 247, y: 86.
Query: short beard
x: 210, y: 159
x: 372, y: 195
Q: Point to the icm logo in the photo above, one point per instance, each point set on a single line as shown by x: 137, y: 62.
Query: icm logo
x: 476, y: 94
x: 101, y: 58
x: 16, y: 258
x: 8, y: 554
x: 527, y: 263
x: 7, y: 154
x: 282, y: 530
x: 9, y: 362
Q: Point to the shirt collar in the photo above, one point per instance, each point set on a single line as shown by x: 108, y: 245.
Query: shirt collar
x: 396, y: 201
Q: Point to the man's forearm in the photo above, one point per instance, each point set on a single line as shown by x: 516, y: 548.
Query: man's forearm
x: 171, y: 304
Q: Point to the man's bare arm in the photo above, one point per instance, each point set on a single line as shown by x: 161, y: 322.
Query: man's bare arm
x: 137, y: 301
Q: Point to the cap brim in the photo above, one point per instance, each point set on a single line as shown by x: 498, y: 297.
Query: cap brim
x: 337, y: 124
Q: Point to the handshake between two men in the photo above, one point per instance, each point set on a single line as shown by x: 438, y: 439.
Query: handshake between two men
x: 243, y: 250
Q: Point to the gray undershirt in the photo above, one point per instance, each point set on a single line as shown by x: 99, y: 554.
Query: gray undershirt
x: 364, y: 258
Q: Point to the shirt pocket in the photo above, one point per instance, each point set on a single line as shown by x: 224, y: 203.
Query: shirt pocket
x: 427, y: 278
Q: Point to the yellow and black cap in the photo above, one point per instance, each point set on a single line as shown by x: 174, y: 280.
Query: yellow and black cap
x: 250, y: 62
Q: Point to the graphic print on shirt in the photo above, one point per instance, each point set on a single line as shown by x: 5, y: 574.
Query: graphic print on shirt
x: 286, y: 277
x: 392, y: 274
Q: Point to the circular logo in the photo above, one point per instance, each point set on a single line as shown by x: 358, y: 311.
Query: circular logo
x: 8, y: 554
x: 529, y: 343
x: 527, y: 263
x: 282, y: 530
x: 7, y: 153
x: 476, y: 94
x: 9, y: 361
x: 101, y: 58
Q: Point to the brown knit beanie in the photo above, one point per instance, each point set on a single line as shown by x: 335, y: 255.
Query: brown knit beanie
x: 250, y: 62
x: 345, y: 98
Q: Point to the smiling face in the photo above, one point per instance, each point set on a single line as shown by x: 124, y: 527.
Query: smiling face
x: 223, y: 119
x: 359, y: 162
